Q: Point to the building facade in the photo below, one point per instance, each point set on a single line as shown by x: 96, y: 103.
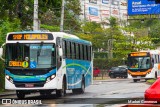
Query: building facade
x: 101, y: 10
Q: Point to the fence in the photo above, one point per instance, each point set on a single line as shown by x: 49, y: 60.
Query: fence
x: 102, y: 75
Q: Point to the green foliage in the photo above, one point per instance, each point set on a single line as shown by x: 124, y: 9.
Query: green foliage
x: 50, y: 28
x: 93, y: 32
x: 1, y: 75
x: 103, y: 63
x: 49, y: 13
x: 100, y: 55
x: 113, y: 22
x: 8, y: 26
x: 151, y: 81
x: 146, y: 27
x: 155, y: 33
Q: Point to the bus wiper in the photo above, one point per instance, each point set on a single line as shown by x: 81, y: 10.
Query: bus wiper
x: 39, y: 50
x: 142, y: 62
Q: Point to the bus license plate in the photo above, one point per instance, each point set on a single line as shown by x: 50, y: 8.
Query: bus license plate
x: 29, y: 85
x: 138, y: 76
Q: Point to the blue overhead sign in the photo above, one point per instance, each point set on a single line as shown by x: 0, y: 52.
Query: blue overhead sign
x: 137, y: 7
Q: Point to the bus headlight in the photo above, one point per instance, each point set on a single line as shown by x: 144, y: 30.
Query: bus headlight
x: 9, y: 78
x: 53, y: 76
x: 50, y: 78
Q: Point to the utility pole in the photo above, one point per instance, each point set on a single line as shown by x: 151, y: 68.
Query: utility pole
x: 35, y: 16
x: 62, y: 17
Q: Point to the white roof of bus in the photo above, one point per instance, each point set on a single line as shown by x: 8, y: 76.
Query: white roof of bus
x: 152, y: 51
x: 64, y: 35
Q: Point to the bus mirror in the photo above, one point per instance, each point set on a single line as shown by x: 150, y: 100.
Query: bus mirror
x: 1, y: 52
x: 60, y: 51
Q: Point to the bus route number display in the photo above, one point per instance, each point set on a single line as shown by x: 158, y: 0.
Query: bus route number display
x: 139, y: 54
x: 30, y: 37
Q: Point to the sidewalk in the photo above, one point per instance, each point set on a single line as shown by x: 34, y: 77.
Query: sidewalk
x: 6, y: 93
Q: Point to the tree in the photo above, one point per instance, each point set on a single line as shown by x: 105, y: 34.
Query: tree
x: 8, y: 26
x: 154, y: 33
x: 49, y: 12
x: 93, y: 32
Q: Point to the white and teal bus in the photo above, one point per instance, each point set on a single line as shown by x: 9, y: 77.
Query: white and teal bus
x: 46, y: 62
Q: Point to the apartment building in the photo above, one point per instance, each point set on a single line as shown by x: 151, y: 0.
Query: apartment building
x: 101, y: 10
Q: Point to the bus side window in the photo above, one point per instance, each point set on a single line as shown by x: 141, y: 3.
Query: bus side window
x: 84, y: 52
x: 68, y: 49
x: 77, y: 51
x: 157, y: 58
x: 73, y: 50
x: 64, y: 49
x: 81, y: 52
x: 89, y: 52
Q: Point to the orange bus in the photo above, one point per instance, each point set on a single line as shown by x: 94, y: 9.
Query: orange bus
x: 143, y: 65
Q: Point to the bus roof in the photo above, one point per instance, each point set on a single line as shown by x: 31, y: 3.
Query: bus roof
x: 148, y: 51
x: 61, y: 34
x: 64, y: 35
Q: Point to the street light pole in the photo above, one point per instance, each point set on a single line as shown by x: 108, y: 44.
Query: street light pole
x: 62, y: 17
x: 35, y: 16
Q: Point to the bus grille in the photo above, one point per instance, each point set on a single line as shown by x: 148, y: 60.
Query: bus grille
x: 23, y: 85
x: 138, y: 75
x: 29, y: 72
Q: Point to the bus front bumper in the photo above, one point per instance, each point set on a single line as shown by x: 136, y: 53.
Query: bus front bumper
x: 31, y: 86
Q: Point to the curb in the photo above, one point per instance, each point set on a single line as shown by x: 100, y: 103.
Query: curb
x: 2, y: 94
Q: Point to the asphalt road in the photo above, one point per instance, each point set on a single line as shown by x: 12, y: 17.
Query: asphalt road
x: 111, y: 92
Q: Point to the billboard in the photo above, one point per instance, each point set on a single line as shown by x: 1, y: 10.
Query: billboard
x: 137, y: 7
x: 105, y: 1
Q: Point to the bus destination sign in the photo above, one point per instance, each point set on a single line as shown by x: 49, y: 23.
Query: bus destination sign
x: 31, y: 36
x: 139, y: 54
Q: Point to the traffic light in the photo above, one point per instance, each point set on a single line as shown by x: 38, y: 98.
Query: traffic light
x: 157, y: 1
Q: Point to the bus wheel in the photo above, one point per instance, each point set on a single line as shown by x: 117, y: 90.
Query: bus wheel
x: 134, y: 80
x: 20, y: 94
x: 82, y: 89
x: 125, y: 76
x: 156, y: 75
x: 61, y: 92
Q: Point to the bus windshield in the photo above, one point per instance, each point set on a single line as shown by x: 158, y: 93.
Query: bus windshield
x: 30, y: 55
x: 139, y: 62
